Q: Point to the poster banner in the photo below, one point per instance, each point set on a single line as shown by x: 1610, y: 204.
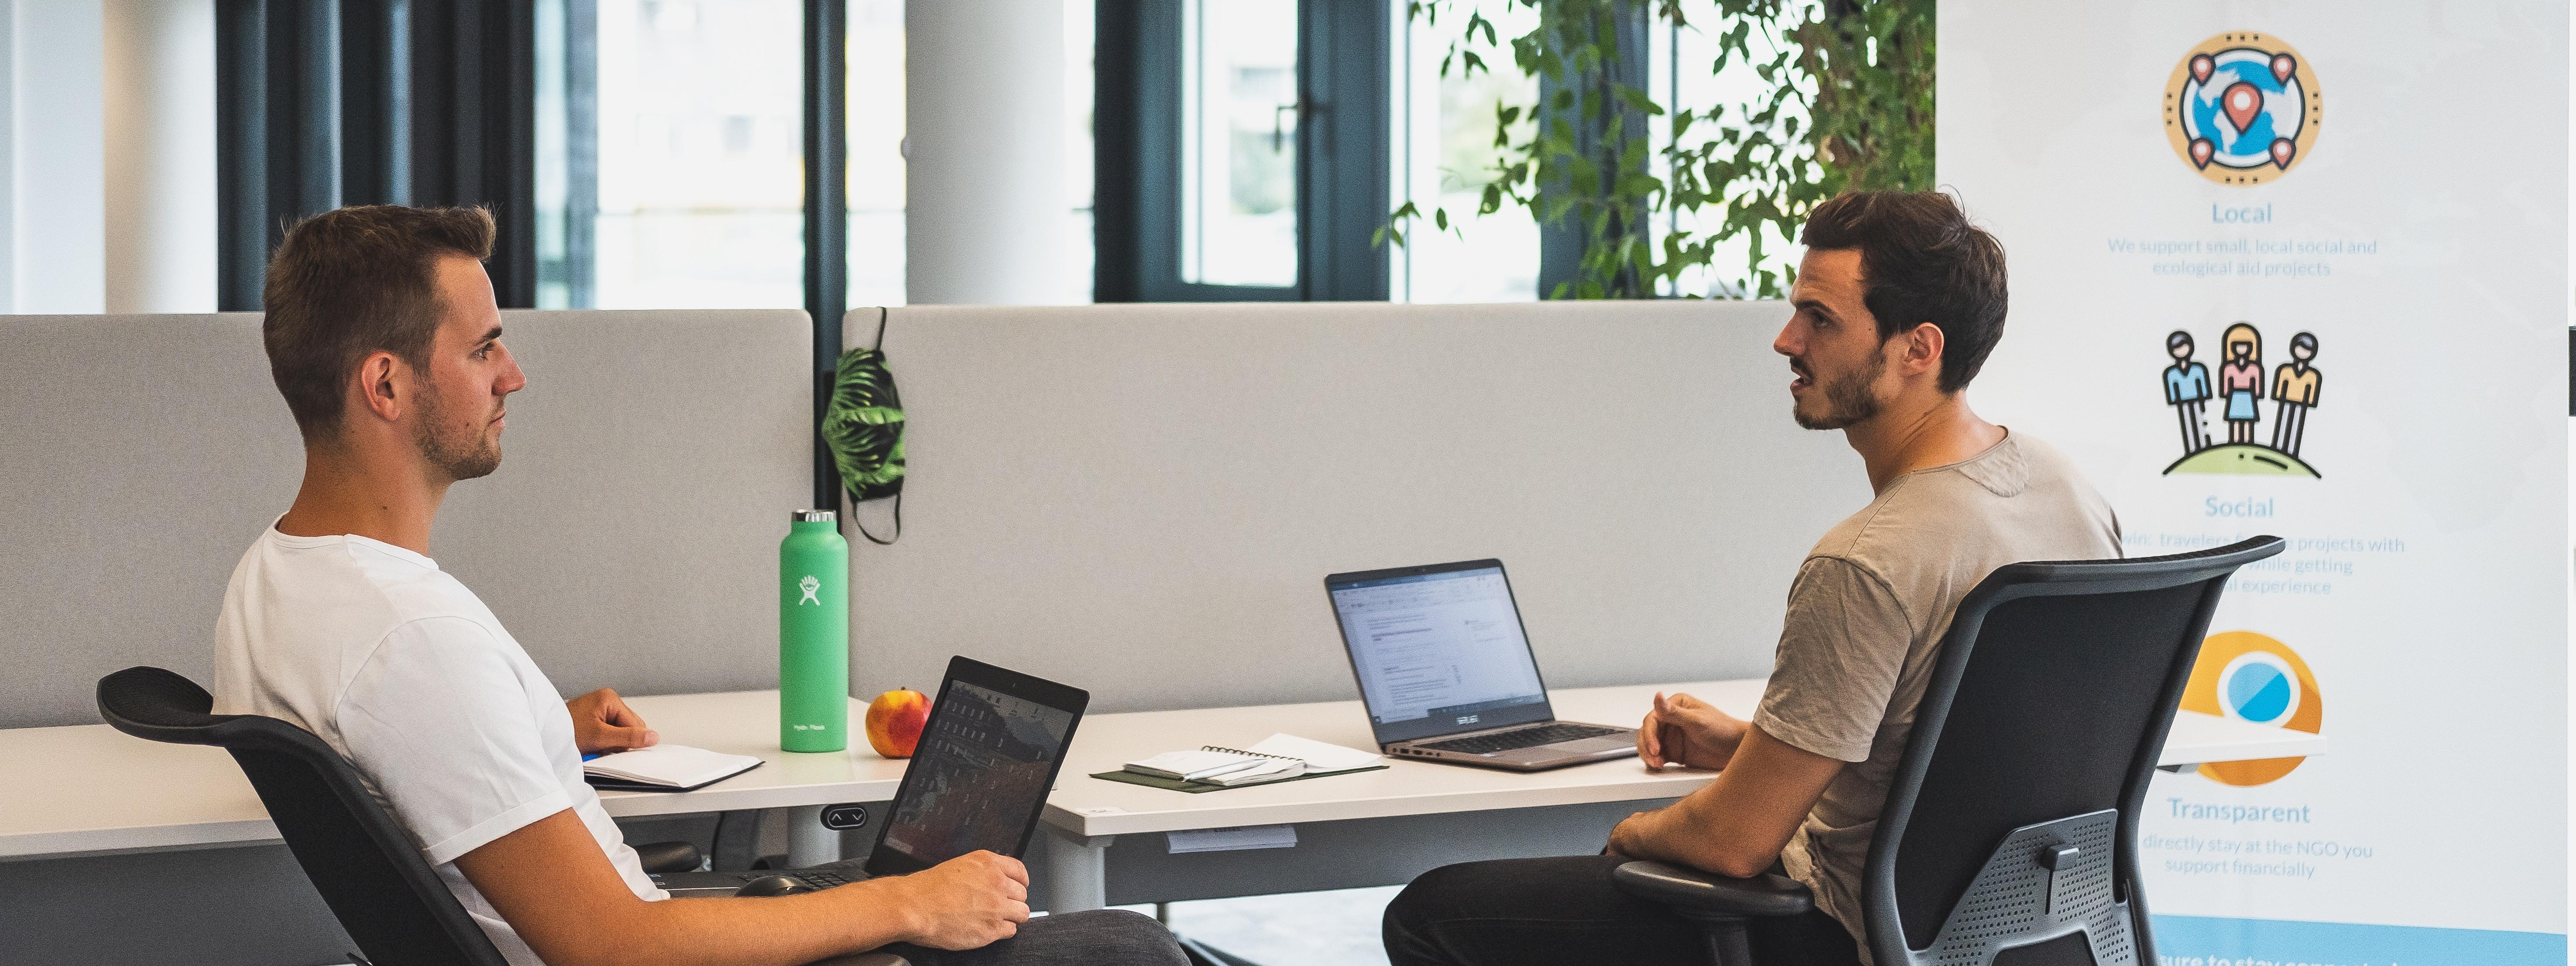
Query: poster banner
x: 2301, y: 269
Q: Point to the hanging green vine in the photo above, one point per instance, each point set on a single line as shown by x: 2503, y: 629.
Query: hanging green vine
x: 1859, y: 72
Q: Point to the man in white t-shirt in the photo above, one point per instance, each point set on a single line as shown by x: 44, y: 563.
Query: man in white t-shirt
x: 383, y: 336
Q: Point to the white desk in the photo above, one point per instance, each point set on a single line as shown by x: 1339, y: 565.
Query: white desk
x: 1088, y: 813
x: 96, y: 791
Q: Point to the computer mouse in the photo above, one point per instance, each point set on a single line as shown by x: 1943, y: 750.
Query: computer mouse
x: 773, y: 885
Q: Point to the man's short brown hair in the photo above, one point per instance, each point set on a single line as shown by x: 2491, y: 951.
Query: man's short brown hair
x: 1921, y: 261
x: 353, y: 281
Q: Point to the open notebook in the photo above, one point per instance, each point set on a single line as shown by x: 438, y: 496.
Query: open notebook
x: 1278, y: 758
x: 664, y: 768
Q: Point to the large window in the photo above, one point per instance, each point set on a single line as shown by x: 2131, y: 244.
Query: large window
x: 671, y: 154
x: 1239, y: 113
x: 1242, y: 149
x: 1445, y: 154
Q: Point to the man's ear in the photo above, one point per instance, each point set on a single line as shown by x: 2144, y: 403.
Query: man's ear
x: 1923, y: 348
x: 384, y: 385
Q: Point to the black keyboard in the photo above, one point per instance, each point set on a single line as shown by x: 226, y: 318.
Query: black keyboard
x: 820, y: 879
x: 1524, y: 738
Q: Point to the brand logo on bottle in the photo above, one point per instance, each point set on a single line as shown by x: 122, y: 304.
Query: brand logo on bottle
x: 810, y: 585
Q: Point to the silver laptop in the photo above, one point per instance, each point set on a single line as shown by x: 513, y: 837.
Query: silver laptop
x: 1446, y: 671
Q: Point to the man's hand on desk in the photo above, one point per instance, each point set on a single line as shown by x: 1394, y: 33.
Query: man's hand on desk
x: 601, y: 722
x: 1688, y: 731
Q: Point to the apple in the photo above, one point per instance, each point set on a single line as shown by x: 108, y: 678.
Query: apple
x: 894, y: 721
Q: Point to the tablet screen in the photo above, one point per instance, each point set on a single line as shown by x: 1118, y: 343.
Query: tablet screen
x: 978, y: 776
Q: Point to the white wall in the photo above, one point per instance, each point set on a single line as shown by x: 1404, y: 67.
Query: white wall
x: 159, y: 115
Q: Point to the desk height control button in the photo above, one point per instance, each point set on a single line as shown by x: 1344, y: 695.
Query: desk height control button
x: 843, y: 818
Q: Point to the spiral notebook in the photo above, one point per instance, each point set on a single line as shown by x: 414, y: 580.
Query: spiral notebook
x: 1278, y: 758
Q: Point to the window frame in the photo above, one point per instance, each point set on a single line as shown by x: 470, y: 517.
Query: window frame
x: 1343, y: 50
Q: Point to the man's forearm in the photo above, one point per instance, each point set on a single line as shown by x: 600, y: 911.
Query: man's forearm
x: 773, y: 931
x: 1690, y: 833
x: 1737, y: 824
x: 553, y: 885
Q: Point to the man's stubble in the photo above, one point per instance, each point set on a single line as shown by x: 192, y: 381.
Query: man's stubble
x: 1848, y: 400
x: 463, y: 453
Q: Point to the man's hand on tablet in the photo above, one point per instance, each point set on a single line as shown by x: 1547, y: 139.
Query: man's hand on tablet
x: 965, y: 902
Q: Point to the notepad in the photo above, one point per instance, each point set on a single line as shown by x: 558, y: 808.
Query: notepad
x: 1278, y: 758
x: 1318, y: 755
x: 1190, y: 766
x: 665, y: 768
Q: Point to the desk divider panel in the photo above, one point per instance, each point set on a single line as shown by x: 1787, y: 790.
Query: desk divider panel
x: 1142, y: 500
x: 629, y: 538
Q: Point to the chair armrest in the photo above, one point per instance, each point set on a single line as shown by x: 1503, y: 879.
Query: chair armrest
x: 1701, y: 896
x: 668, y: 857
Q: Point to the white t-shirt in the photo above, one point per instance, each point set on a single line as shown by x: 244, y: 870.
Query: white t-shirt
x: 399, y: 667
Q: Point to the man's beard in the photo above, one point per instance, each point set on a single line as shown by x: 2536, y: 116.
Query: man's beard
x: 463, y: 454
x: 1847, y: 397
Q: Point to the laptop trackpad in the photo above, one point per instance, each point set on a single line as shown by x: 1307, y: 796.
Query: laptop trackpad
x: 1586, y: 746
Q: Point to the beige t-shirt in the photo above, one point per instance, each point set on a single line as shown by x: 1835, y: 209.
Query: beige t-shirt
x: 1865, y: 622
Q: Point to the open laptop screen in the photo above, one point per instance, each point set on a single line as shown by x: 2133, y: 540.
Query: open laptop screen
x: 1438, y: 650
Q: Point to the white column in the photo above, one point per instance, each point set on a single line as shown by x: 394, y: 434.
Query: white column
x: 55, y: 199
x: 988, y: 219
x: 160, y: 145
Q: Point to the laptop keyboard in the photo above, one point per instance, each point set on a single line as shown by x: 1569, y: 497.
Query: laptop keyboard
x: 822, y: 880
x: 1524, y: 738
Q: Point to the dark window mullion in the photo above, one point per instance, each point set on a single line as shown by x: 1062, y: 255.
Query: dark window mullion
x: 827, y: 210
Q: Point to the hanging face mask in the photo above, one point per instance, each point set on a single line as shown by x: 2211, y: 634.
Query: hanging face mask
x: 863, y: 426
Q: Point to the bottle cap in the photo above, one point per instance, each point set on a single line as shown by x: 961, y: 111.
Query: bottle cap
x: 814, y: 516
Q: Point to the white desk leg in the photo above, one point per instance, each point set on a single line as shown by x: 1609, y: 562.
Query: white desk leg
x: 808, y: 842
x: 1077, y: 870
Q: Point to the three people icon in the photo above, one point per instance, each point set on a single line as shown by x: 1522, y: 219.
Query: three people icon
x: 2295, y: 387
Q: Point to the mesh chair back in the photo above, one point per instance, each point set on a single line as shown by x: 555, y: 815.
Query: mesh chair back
x: 2010, y: 831
x: 364, y: 865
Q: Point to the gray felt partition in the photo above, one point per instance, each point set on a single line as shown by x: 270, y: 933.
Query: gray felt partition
x: 1142, y: 500
x: 629, y: 538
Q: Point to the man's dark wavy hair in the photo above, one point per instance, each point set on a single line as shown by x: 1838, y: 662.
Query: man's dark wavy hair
x: 1921, y: 261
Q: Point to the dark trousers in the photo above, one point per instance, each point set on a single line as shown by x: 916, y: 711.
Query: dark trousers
x: 1566, y: 910
x: 1099, y: 937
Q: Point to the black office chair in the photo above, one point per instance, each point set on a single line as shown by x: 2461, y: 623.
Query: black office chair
x: 364, y: 865
x: 2010, y: 830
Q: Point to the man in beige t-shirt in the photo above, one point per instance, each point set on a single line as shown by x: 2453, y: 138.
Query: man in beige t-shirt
x: 1897, y: 303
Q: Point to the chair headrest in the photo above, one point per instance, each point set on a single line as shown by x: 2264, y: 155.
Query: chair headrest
x: 158, y: 705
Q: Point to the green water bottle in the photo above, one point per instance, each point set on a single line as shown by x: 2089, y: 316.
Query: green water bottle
x: 813, y: 634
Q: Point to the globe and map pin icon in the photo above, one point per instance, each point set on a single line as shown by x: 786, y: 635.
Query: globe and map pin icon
x: 2242, y: 107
